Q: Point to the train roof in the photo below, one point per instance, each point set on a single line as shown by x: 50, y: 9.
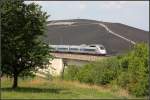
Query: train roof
x: 82, y: 45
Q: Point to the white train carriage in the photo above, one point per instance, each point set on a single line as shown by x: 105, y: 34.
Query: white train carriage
x: 84, y: 49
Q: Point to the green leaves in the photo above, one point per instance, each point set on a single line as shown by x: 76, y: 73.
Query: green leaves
x: 71, y: 72
x: 129, y: 71
x: 134, y: 72
x: 23, y: 49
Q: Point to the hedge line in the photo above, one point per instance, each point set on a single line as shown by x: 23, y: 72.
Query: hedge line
x: 129, y: 71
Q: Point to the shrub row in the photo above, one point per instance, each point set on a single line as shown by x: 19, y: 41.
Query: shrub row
x: 129, y: 71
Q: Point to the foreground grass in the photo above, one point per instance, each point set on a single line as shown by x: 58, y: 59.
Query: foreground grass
x: 39, y: 88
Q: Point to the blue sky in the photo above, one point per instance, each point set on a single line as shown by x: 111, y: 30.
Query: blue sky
x: 133, y: 13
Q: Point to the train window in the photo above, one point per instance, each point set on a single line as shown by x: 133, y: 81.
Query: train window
x: 73, y: 49
x: 102, y: 48
x: 53, y: 49
x: 87, y: 49
x: 92, y: 46
x: 62, y: 48
x: 81, y: 49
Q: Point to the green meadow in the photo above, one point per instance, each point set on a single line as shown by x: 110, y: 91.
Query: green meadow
x: 39, y: 88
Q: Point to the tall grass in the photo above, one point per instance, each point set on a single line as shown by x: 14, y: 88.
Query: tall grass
x: 39, y: 88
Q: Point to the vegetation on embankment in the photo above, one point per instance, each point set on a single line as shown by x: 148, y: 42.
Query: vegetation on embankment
x: 39, y: 88
x: 129, y: 71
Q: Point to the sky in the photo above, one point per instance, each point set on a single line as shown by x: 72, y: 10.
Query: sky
x: 132, y: 13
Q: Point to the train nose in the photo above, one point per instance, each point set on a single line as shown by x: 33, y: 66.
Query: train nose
x: 103, y: 51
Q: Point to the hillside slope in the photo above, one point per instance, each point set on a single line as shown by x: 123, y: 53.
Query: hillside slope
x: 83, y: 31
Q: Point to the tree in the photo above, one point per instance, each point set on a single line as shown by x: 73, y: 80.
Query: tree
x: 23, y: 50
x: 134, y: 74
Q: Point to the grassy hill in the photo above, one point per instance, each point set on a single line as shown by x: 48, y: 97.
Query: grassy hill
x: 39, y: 88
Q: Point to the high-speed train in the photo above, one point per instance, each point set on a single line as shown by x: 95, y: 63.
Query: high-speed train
x: 83, y: 49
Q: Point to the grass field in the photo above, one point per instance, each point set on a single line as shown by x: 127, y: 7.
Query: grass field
x: 39, y: 88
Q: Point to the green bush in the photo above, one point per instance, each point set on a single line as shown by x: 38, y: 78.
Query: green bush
x: 129, y: 71
x: 140, y: 88
x: 134, y: 70
x: 100, y: 72
x: 105, y: 71
x: 122, y: 79
x: 85, y: 74
x: 71, y: 72
x: 138, y: 70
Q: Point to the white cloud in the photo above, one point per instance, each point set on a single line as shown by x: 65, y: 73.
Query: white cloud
x: 44, y: 2
x: 77, y: 6
x: 121, y: 4
x: 114, y: 11
x: 112, y: 4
